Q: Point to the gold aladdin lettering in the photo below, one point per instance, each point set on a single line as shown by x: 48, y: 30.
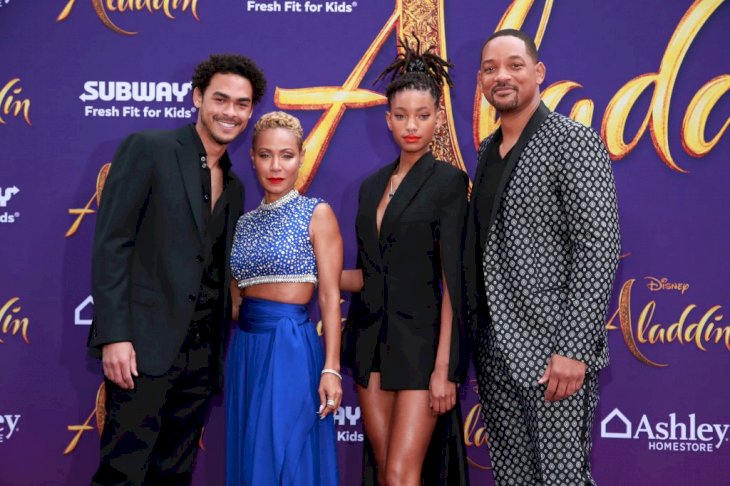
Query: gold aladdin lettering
x: 693, y: 137
x: 701, y: 332
x: 101, y: 7
x: 424, y: 17
x: 10, y: 105
x: 81, y: 213
x: 99, y: 414
x: 10, y: 323
x: 475, y: 435
x: 335, y: 100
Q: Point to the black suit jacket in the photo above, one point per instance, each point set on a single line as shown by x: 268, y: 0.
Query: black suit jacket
x: 421, y: 234
x: 146, y: 267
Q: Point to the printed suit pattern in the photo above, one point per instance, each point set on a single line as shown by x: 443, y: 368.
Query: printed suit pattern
x: 543, y: 261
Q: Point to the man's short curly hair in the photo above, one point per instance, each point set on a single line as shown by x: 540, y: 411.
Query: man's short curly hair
x: 230, y: 64
x: 279, y: 119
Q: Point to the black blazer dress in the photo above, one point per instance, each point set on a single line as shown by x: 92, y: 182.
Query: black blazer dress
x: 396, y: 318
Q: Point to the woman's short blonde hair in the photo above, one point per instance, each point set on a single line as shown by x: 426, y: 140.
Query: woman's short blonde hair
x: 279, y: 119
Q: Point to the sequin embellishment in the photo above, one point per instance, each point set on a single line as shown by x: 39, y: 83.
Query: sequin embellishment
x: 272, y: 243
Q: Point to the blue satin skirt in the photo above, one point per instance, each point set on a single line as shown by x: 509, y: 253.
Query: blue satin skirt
x: 274, y: 435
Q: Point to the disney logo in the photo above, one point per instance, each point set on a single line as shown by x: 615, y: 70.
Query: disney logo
x: 656, y: 284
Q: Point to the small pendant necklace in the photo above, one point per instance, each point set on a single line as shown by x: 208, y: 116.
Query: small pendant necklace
x: 392, y: 190
x: 391, y: 193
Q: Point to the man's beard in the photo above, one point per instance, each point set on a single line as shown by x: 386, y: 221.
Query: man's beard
x: 507, y: 105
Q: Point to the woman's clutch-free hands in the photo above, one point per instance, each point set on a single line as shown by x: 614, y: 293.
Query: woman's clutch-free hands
x: 330, y: 394
x: 441, y: 391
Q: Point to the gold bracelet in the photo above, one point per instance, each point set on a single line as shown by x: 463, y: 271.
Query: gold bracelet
x: 332, y: 372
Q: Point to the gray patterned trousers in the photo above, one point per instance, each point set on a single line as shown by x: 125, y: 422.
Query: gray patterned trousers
x: 531, y: 441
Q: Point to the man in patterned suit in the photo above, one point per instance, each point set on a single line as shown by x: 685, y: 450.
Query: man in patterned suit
x: 542, y: 251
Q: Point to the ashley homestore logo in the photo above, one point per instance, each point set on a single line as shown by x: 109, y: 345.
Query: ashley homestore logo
x: 676, y: 433
x: 8, y: 426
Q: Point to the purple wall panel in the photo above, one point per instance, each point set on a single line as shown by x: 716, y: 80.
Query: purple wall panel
x: 664, y: 414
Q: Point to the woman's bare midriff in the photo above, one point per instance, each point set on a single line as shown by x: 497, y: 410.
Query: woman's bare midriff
x: 287, y: 292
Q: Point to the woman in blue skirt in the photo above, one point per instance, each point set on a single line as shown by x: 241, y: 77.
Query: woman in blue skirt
x: 281, y: 389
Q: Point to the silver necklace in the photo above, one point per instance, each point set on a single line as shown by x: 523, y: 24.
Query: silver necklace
x: 391, y: 193
x: 279, y: 202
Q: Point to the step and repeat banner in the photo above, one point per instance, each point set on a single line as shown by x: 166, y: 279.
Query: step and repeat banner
x: 652, y: 77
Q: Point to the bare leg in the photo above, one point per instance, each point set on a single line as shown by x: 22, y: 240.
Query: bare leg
x: 411, y: 427
x: 377, y: 409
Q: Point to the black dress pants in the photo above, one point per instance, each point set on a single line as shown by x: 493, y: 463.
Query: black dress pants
x: 152, y: 432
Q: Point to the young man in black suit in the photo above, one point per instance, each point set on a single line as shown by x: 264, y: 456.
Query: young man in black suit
x: 160, y: 278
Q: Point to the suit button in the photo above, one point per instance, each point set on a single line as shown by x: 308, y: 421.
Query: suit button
x: 206, y: 197
x: 199, y: 258
x: 191, y: 298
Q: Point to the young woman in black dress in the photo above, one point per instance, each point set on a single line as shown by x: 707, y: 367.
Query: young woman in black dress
x: 405, y: 341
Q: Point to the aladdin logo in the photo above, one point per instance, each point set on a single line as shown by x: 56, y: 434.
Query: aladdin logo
x: 8, y: 426
x: 348, y: 417
x: 103, y: 7
x: 6, y: 193
x: 475, y: 434
x: 81, y: 213
x: 9, y: 105
x: 10, y: 323
x: 658, y: 82
x: 696, y: 137
x: 136, y: 91
x: 702, y: 328
x: 98, y: 416
x: 671, y: 435
x: 657, y: 284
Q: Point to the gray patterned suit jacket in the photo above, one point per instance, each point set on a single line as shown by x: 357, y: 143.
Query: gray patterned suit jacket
x: 542, y: 263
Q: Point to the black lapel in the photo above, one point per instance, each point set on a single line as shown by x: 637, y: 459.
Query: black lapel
x: 407, y: 190
x: 369, y: 207
x: 532, y: 126
x: 482, y: 162
x: 188, y: 161
x: 475, y: 203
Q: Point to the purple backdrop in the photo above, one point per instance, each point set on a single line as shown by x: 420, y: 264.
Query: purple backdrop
x: 78, y: 76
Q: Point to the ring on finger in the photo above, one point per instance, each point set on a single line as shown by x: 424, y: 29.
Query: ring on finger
x: 330, y: 402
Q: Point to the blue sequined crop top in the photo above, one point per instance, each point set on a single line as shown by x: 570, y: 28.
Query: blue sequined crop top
x: 272, y: 243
